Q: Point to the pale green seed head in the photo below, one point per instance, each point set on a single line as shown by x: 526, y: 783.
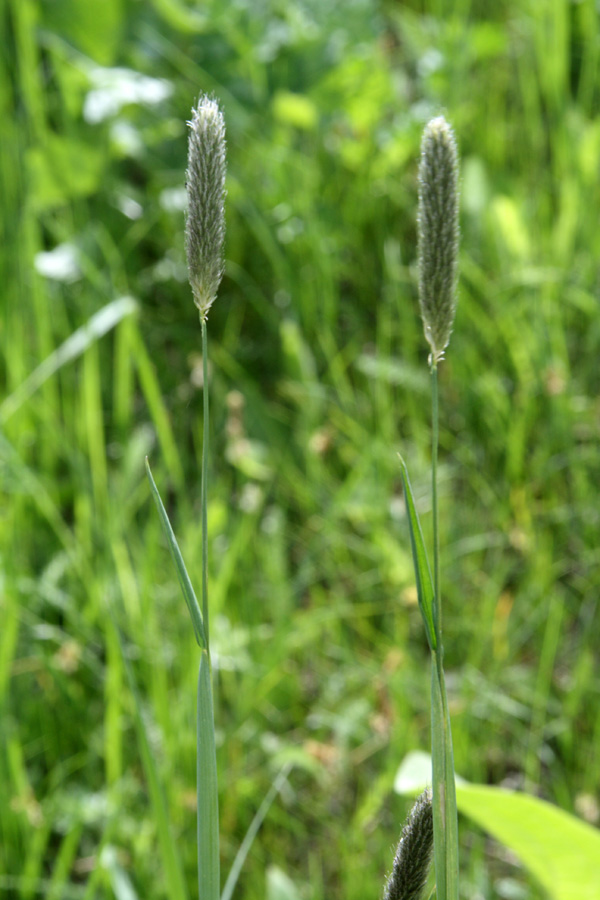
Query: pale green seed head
x: 438, y: 233
x: 413, y: 856
x: 205, y: 224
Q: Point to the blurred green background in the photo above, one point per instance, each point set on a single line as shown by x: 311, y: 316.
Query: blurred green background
x: 318, y: 378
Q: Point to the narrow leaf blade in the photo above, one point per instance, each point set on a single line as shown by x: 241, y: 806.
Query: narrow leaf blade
x: 257, y: 821
x: 184, y: 579
x: 425, y: 592
x: 168, y: 845
x: 207, y: 789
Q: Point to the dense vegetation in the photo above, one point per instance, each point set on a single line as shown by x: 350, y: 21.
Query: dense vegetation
x: 318, y: 378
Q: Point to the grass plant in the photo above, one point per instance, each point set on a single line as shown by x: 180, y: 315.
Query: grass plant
x: 438, y: 264
x: 205, y: 234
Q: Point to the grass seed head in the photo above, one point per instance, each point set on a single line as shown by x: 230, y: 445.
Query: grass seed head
x: 438, y: 233
x: 205, y: 224
x: 413, y: 856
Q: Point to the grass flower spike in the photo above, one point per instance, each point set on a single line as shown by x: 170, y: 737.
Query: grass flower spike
x: 438, y: 233
x: 205, y: 226
x: 413, y: 856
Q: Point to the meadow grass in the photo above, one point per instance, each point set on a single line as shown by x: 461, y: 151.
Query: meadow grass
x: 318, y: 649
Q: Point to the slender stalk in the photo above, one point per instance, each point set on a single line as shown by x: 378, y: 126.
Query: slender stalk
x: 207, y: 787
x: 445, y: 823
x: 206, y: 761
x: 204, y: 483
x: 437, y: 616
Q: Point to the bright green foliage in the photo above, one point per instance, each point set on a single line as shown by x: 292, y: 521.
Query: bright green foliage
x: 561, y: 850
x: 170, y: 855
x: 317, y: 330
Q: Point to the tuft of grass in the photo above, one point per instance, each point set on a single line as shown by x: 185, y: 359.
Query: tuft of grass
x: 315, y: 328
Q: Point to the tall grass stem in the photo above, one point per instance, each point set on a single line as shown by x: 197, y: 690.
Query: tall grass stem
x: 207, y: 788
x: 204, y: 483
x: 437, y: 605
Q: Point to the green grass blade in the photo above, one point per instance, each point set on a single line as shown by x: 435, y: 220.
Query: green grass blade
x: 184, y: 579
x: 65, y: 856
x: 445, y: 823
x: 150, y: 388
x: 257, y: 821
x: 168, y: 846
x: 75, y: 346
x: 420, y: 561
x: 207, y: 789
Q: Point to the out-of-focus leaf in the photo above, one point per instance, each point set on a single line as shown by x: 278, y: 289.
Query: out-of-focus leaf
x: 93, y: 28
x: 295, y: 109
x: 62, y: 170
x: 75, y: 345
x: 560, y: 850
x: 280, y: 886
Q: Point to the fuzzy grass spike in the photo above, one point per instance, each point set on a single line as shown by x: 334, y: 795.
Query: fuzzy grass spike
x: 413, y: 855
x: 438, y: 233
x: 205, y: 225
